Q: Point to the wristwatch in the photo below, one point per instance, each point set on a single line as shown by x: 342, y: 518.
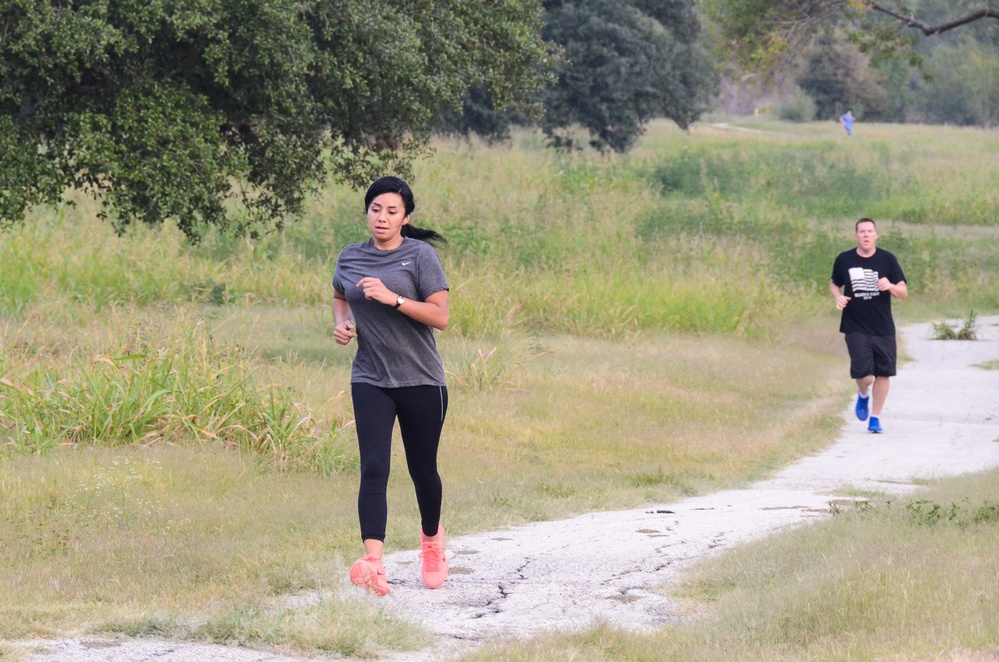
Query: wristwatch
x: 398, y: 302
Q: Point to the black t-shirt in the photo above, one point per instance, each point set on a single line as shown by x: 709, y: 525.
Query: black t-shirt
x: 869, y: 309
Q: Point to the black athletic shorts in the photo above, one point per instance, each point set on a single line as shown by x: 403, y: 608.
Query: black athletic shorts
x: 871, y: 355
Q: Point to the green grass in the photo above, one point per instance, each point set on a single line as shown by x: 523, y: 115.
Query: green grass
x: 147, y: 388
x: 177, y: 451
x: 750, y: 219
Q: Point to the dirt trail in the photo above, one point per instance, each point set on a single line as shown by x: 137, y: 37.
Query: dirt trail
x: 941, y: 419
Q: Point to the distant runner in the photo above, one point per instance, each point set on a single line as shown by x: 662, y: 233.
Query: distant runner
x: 846, y: 119
x: 864, y: 280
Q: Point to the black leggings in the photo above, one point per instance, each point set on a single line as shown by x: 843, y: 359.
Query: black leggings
x: 421, y: 411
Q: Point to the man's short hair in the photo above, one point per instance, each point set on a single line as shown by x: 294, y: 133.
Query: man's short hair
x: 864, y: 220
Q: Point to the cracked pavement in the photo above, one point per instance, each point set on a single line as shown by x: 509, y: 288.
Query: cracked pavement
x: 941, y: 419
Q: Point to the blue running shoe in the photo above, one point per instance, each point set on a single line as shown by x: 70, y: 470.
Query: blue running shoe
x: 862, y: 406
x: 874, y: 425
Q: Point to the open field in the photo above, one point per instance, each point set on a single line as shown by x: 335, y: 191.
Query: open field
x: 177, y: 449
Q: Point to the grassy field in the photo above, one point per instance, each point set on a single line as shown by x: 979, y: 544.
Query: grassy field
x: 177, y: 449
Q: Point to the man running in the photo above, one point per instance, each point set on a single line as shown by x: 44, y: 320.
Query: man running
x: 864, y: 280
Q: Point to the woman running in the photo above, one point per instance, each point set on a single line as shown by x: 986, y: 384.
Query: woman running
x: 390, y: 293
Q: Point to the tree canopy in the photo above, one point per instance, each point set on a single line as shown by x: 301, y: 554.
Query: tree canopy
x: 169, y: 108
x: 760, y: 34
x: 624, y: 62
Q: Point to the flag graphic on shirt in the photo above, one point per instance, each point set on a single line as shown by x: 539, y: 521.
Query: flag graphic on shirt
x: 864, y: 283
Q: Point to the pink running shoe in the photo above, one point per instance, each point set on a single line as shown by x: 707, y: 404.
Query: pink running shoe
x: 434, y: 564
x: 370, y: 574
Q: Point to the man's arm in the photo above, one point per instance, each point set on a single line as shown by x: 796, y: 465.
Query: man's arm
x: 838, y: 296
x: 897, y: 290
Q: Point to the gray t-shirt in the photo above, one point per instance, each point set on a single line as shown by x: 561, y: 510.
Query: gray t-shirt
x: 393, y: 350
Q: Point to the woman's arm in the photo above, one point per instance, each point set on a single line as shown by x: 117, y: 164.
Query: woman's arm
x: 435, y: 311
x: 343, y: 319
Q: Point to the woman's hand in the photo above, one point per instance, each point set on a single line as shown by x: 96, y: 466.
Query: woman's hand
x: 344, y: 332
x: 374, y: 289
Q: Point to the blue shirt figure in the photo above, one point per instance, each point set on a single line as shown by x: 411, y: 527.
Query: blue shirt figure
x: 847, y: 121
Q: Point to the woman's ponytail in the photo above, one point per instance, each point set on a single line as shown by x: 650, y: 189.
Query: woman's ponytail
x: 429, y: 236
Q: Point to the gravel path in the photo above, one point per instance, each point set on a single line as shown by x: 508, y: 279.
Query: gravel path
x: 941, y: 419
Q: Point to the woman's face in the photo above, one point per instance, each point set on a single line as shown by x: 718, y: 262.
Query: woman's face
x: 386, y: 216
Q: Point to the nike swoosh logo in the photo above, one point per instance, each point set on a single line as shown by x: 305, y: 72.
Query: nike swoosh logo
x: 405, y: 263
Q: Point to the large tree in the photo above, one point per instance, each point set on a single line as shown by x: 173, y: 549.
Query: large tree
x: 760, y: 34
x: 625, y: 63
x: 167, y: 108
x: 965, y: 85
x: 837, y: 77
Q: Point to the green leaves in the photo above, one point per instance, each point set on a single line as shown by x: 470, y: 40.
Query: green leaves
x: 170, y: 108
x: 762, y: 36
x: 154, y: 154
x: 626, y: 63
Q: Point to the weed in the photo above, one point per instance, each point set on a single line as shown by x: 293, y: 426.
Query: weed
x: 966, y: 331
x: 927, y: 512
x: 494, y: 367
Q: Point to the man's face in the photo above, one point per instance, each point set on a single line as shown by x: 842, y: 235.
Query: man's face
x: 867, y: 234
